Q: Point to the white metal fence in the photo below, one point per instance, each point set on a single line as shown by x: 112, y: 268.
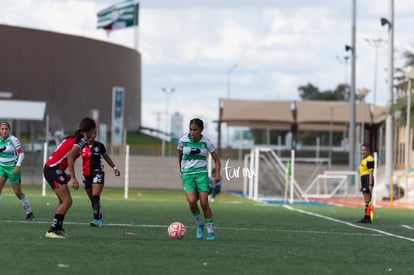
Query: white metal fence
x: 274, y: 178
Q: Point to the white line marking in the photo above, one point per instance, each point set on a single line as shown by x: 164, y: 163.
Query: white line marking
x: 348, y: 223
x: 218, y: 227
x: 407, y: 226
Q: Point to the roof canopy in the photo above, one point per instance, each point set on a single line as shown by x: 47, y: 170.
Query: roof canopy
x: 257, y: 114
x: 307, y: 115
x: 22, y: 109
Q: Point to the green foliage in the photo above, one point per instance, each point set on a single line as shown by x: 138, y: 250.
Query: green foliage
x: 141, y: 139
x: 399, y: 109
x: 251, y: 238
x: 400, y: 106
x: 311, y: 92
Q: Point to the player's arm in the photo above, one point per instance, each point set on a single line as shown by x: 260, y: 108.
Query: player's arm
x: 370, y: 166
x: 108, y: 160
x: 217, y: 165
x: 371, y: 180
x: 72, y: 155
x: 180, y: 158
x: 20, y: 155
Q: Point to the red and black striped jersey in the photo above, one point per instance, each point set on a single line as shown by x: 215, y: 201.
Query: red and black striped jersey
x: 92, y: 158
x: 59, y: 156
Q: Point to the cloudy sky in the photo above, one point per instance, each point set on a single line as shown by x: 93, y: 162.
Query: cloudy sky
x: 276, y: 45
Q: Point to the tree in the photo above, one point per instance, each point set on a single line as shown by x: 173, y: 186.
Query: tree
x: 400, y: 106
x: 310, y: 92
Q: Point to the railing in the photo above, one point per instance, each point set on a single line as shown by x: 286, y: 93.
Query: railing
x: 332, y: 183
x: 282, y: 177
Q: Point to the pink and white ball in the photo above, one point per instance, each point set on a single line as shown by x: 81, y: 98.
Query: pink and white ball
x: 176, y: 231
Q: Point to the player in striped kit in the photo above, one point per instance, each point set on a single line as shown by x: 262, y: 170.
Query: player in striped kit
x: 54, y: 172
x: 94, y: 175
x: 11, y: 158
x: 192, y: 154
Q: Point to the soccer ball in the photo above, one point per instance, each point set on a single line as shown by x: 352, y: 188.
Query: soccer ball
x: 176, y: 230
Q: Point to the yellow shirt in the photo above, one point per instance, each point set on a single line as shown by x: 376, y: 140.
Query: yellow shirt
x: 367, y: 165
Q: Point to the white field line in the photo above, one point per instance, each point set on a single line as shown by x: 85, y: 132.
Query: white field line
x: 407, y: 226
x: 348, y: 223
x: 217, y: 227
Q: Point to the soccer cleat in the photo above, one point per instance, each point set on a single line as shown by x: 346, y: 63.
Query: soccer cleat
x: 54, y: 235
x: 96, y: 223
x: 30, y: 217
x: 200, y: 232
x: 62, y: 232
x: 365, y: 220
x: 211, y: 237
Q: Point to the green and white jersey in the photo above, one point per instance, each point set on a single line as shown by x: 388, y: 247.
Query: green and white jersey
x: 194, y: 154
x: 9, y: 150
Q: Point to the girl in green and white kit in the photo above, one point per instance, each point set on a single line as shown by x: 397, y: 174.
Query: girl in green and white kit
x: 11, y: 158
x: 192, y: 155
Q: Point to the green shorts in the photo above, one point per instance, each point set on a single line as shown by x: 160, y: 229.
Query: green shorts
x: 7, y: 173
x: 198, y: 182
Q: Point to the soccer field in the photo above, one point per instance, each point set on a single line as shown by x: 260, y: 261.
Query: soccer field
x: 251, y: 238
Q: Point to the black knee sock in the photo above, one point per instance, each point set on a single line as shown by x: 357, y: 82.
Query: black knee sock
x: 57, y: 223
x: 96, y: 201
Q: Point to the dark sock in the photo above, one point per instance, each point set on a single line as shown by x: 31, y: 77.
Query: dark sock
x: 57, y: 223
x: 96, y: 207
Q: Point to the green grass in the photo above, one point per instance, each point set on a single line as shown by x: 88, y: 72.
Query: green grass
x: 251, y: 238
x: 142, y: 139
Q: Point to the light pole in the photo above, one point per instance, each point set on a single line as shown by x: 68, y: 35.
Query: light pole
x: 363, y: 92
x: 229, y: 71
x: 344, y: 61
x: 330, y: 135
x: 409, y: 74
x: 167, y: 115
x: 389, y: 123
x: 352, y: 94
x: 376, y: 43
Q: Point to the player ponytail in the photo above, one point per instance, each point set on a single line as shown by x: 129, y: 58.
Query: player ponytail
x: 85, y: 125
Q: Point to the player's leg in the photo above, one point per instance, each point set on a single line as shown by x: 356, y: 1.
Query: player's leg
x: 189, y: 185
x: 97, y: 188
x: 368, y: 206
x: 213, y: 192
x: 23, y: 200
x: 87, y: 183
x: 208, y: 215
x: 15, y: 181
x: 366, y: 194
x: 58, y: 182
x: 203, y: 186
x: 192, y: 198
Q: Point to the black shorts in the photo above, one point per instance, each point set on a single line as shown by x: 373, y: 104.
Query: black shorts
x: 54, y: 176
x: 95, y: 178
x: 365, y: 184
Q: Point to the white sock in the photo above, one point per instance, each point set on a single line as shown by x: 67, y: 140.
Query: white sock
x: 210, y: 225
x: 26, y: 204
x: 197, y: 218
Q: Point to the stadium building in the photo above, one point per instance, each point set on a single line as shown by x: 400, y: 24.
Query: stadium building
x: 73, y: 75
